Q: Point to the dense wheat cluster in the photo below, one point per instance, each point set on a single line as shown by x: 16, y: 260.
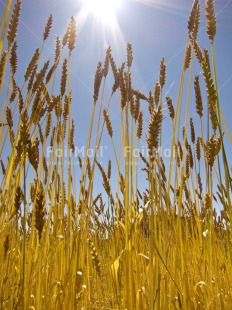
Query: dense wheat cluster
x: 164, y: 246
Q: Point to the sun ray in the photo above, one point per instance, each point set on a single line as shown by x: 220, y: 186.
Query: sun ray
x: 168, y: 6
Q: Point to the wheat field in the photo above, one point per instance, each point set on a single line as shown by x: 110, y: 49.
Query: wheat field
x: 64, y: 246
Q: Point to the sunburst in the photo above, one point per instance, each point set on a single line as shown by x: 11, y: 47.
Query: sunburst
x: 103, y: 10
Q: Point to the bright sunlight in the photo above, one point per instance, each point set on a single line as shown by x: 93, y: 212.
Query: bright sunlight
x: 103, y: 10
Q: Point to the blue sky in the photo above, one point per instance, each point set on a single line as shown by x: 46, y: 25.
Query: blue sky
x: 155, y: 28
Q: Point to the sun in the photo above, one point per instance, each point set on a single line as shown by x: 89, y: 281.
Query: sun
x: 103, y: 10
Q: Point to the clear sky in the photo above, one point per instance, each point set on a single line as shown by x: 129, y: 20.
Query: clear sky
x: 156, y: 29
